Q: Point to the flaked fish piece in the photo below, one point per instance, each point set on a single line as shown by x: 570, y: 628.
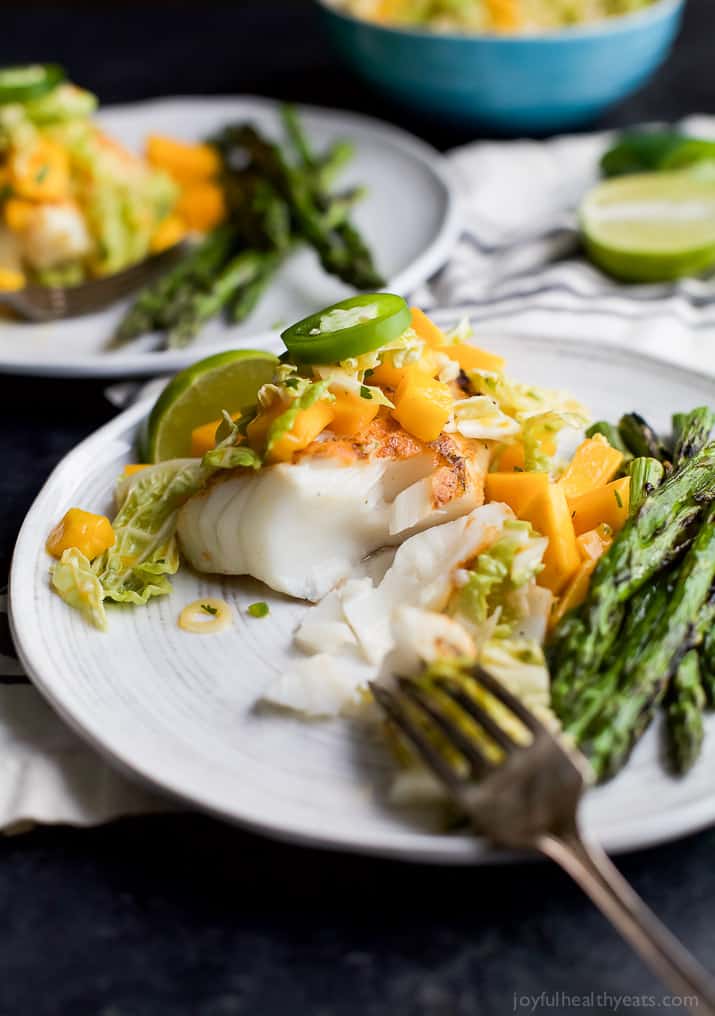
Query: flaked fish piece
x: 388, y: 627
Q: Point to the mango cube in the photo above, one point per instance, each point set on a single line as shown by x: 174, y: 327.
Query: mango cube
x: 352, y: 413
x: 306, y: 427
x: 515, y: 489
x: 423, y: 405
x: 550, y: 515
x: 594, y: 464
x: 607, y: 505
x: 89, y: 533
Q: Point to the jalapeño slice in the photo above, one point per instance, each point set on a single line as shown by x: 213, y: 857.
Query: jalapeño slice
x: 349, y: 328
x: 19, y: 84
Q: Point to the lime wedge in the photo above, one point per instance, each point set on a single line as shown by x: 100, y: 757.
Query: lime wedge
x: 198, y: 395
x: 651, y: 227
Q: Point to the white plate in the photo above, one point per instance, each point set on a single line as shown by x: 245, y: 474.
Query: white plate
x: 408, y: 217
x: 178, y: 709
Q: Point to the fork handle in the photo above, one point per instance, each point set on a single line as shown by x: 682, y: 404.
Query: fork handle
x: 589, y: 866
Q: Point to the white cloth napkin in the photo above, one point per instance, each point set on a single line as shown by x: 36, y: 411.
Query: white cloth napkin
x: 516, y: 268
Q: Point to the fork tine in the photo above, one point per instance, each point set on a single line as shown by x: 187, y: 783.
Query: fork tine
x: 478, y: 713
x: 396, y: 712
x: 472, y: 752
x: 513, y: 704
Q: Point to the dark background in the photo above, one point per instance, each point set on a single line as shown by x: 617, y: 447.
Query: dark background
x: 182, y: 915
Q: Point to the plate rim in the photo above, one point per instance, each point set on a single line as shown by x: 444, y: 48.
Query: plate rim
x: 141, y: 364
x: 619, y: 836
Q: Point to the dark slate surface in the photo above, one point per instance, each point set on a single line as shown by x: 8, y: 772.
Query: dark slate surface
x: 181, y: 915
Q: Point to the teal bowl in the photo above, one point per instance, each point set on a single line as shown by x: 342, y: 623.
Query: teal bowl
x: 531, y: 84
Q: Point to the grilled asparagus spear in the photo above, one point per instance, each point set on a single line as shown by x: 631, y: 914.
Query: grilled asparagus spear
x: 149, y: 311
x: 690, y: 613
x: 691, y: 432
x: 241, y: 272
x: 707, y: 666
x: 646, y: 475
x: 684, y: 714
x: 649, y: 542
x: 341, y: 250
x: 640, y: 438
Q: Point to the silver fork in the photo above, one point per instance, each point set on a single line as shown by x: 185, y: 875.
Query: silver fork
x: 50, y: 303
x: 529, y: 799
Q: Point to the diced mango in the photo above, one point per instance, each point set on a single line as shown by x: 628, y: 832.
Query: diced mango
x: 594, y: 543
x: 607, y: 504
x: 257, y: 430
x: 549, y: 514
x: 574, y: 594
x: 40, y: 173
x: 352, y: 413
x: 133, y: 467
x: 422, y: 405
x: 91, y: 534
x: 308, y: 424
x: 202, y: 206
x: 203, y: 438
x: 472, y: 358
x: 11, y: 280
x: 515, y: 489
x: 505, y: 14
x: 187, y: 163
x: 19, y: 214
x: 389, y: 9
x: 512, y: 459
x: 594, y: 464
x: 387, y: 375
x: 426, y: 328
x: 168, y: 233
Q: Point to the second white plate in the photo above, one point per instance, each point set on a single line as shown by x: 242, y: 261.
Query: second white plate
x: 180, y: 711
x: 408, y: 218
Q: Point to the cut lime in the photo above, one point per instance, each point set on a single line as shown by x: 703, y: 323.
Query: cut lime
x: 198, y: 395
x: 651, y: 227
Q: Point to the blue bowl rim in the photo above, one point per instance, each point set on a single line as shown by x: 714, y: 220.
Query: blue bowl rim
x: 604, y: 28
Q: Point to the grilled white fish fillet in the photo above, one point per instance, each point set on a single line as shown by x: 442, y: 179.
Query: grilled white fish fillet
x: 302, y: 526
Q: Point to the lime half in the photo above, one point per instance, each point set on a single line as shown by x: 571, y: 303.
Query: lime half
x: 651, y: 227
x: 198, y: 395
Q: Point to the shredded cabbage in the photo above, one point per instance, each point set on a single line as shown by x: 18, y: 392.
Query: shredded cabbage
x: 341, y: 317
x: 144, y: 554
x: 520, y: 400
x: 483, y: 15
x: 406, y: 348
x: 539, y: 414
x: 486, y: 603
x: 73, y: 579
x: 337, y: 377
x: 539, y: 431
x: 481, y: 417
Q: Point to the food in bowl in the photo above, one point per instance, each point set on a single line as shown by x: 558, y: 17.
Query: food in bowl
x: 489, y: 15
